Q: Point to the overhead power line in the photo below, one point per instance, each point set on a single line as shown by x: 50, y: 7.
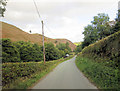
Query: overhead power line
x: 37, y: 10
x: 42, y: 30
x: 41, y: 18
x: 49, y: 29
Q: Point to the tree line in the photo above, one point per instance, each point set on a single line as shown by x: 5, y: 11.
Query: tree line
x: 99, y: 28
x: 26, y: 51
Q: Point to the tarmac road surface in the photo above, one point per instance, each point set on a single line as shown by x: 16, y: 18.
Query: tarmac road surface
x: 65, y: 76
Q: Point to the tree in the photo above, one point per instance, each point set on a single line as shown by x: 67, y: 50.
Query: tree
x: 37, y: 53
x: 68, y: 48
x: 2, y: 7
x: 99, y: 29
x: 100, y: 23
x: 30, y: 31
x: 51, y: 52
x: 9, y: 52
x: 61, y: 46
x: 29, y: 52
x: 64, y: 47
x: 78, y: 49
x: 117, y: 25
x: 90, y: 34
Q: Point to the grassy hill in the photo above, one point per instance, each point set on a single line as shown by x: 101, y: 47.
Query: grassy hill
x: 16, y: 34
x: 77, y: 43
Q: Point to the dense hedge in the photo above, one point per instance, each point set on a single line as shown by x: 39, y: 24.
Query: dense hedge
x: 101, y: 61
x: 12, y: 71
x: 16, y: 71
x: 107, y: 49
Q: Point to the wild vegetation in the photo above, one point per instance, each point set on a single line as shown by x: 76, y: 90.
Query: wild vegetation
x: 100, y: 62
x: 22, y: 75
x: 22, y: 61
x: 104, y: 77
x: 2, y: 7
x: 77, y: 43
x: 27, y: 52
x: 99, y: 58
x: 78, y: 49
x: 105, y: 50
x: 100, y: 28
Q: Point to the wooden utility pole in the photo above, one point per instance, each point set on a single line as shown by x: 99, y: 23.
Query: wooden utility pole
x: 43, y: 41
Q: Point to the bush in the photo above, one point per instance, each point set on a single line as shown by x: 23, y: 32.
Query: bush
x: 26, y: 52
x: 100, y: 62
x: 29, y: 52
x: 78, y: 49
x: 20, y: 71
x: 52, y: 53
x: 14, y: 71
x: 64, y: 47
x: 9, y: 52
x: 106, y: 49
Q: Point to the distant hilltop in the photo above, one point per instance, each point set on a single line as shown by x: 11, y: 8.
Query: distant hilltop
x: 16, y: 34
x: 77, y: 43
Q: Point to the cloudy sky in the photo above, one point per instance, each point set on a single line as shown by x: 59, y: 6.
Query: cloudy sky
x: 62, y: 18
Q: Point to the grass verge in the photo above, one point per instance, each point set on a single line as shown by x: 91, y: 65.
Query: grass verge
x: 26, y: 74
x: 105, y: 78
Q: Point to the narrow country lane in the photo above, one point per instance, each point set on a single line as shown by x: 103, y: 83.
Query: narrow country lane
x: 65, y: 76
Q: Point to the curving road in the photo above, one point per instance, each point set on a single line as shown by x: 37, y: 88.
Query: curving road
x: 65, y: 76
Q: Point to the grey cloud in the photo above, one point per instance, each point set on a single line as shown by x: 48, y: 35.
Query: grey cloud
x: 61, y: 16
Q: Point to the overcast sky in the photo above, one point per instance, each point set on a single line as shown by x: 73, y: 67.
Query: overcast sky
x: 63, y: 18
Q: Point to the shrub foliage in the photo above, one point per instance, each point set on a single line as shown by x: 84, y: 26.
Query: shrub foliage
x: 20, y: 71
x: 107, y: 49
x: 9, y: 52
x: 27, y: 52
x: 100, y: 62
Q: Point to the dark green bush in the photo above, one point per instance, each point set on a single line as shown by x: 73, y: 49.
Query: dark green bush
x: 52, y: 53
x: 9, y: 52
x: 29, y: 52
x: 25, y: 51
x: 14, y: 71
x: 106, y: 49
x: 78, y: 49
x: 64, y: 47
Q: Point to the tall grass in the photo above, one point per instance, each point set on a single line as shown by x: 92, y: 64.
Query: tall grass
x: 105, y: 78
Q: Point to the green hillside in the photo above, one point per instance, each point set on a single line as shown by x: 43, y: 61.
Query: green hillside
x: 77, y: 43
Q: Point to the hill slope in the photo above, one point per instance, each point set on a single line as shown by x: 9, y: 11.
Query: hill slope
x: 16, y: 34
x: 78, y: 43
